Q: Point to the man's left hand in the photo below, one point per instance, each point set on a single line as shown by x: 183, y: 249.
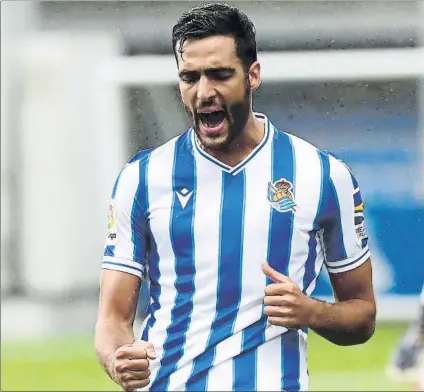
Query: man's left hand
x: 285, y: 304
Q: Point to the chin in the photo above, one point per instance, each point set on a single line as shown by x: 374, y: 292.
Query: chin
x: 217, y: 143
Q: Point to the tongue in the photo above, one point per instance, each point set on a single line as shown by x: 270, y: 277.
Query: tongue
x: 212, y: 120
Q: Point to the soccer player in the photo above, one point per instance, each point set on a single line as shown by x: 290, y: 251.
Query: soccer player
x: 230, y: 223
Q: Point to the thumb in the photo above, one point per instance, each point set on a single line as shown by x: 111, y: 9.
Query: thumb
x: 274, y: 275
x: 148, y: 347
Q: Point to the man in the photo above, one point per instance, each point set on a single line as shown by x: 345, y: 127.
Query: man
x: 231, y: 223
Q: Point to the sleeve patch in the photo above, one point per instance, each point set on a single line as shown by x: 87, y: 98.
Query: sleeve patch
x: 112, y: 228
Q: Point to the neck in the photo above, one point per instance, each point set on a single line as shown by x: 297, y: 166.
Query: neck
x: 243, y: 145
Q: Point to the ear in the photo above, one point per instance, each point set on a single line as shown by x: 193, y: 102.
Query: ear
x: 254, y: 76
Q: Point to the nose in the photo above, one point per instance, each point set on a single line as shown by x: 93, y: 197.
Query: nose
x: 205, y: 89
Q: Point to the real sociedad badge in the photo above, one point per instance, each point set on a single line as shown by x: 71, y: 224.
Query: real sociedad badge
x: 280, y: 195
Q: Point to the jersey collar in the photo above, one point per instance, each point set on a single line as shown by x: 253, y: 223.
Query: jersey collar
x: 239, y: 167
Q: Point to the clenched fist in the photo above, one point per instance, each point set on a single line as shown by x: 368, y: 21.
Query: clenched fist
x: 130, y: 365
x: 285, y: 304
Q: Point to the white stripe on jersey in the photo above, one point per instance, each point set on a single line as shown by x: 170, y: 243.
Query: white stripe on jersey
x: 221, y: 377
x: 256, y: 224
x: 303, y: 352
x: 308, y: 176
x: 159, y: 179
x: 269, y: 364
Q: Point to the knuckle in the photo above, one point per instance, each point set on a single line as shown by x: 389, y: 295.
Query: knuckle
x: 144, y: 382
x: 120, y: 354
x: 120, y: 367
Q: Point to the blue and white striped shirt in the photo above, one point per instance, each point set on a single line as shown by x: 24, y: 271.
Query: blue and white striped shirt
x: 200, y: 230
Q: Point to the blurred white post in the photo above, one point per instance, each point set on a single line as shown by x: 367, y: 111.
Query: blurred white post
x: 73, y: 146
x: 17, y: 19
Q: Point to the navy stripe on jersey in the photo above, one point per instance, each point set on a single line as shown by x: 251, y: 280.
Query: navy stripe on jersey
x: 245, y: 363
x: 229, y: 275
x: 182, y: 238
x: 283, y: 166
x: 290, y: 359
x: 154, y: 272
x: 310, y: 273
x: 155, y: 289
x: 150, y: 245
x: 281, y: 225
x: 281, y: 231
x: 333, y: 233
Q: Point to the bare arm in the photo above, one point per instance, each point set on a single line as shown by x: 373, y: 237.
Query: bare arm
x: 351, y: 320
x: 114, y: 327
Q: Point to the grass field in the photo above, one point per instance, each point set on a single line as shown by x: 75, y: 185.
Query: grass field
x: 62, y: 364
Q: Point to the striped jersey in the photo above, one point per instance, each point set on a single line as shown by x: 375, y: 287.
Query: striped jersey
x: 198, y: 231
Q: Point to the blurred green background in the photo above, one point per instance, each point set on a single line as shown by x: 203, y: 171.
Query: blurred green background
x: 69, y: 364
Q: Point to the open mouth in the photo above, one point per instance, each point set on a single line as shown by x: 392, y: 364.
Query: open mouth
x: 212, y: 120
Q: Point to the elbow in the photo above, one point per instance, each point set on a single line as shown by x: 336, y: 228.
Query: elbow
x: 364, y: 330
x: 365, y: 333
x: 369, y: 328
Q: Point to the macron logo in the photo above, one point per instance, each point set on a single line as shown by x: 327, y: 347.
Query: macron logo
x: 184, y: 196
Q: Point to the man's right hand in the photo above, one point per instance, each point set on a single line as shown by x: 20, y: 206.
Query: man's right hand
x: 130, y: 365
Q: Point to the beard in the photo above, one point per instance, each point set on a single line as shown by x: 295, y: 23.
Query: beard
x: 236, y: 115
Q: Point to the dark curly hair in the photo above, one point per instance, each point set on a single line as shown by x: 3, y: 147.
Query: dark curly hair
x: 217, y: 19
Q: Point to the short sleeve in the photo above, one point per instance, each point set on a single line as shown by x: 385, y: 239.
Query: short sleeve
x: 125, y: 248
x: 344, y: 237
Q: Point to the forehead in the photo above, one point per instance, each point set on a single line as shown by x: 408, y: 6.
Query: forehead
x: 217, y: 51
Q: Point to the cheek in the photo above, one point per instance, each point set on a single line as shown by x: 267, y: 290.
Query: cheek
x: 188, y: 97
x: 237, y: 91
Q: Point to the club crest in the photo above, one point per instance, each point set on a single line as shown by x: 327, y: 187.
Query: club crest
x: 280, y: 195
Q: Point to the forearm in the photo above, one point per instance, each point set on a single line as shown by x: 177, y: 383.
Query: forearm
x: 109, y: 336
x: 344, y: 323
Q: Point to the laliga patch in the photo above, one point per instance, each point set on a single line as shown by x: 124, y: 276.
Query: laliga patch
x: 112, y: 229
x: 360, y: 231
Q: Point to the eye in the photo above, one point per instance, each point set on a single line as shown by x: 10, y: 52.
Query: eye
x: 222, y: 75
x: 189, y: 78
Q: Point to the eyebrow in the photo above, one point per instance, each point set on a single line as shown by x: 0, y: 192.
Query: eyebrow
x: 207, y: 71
